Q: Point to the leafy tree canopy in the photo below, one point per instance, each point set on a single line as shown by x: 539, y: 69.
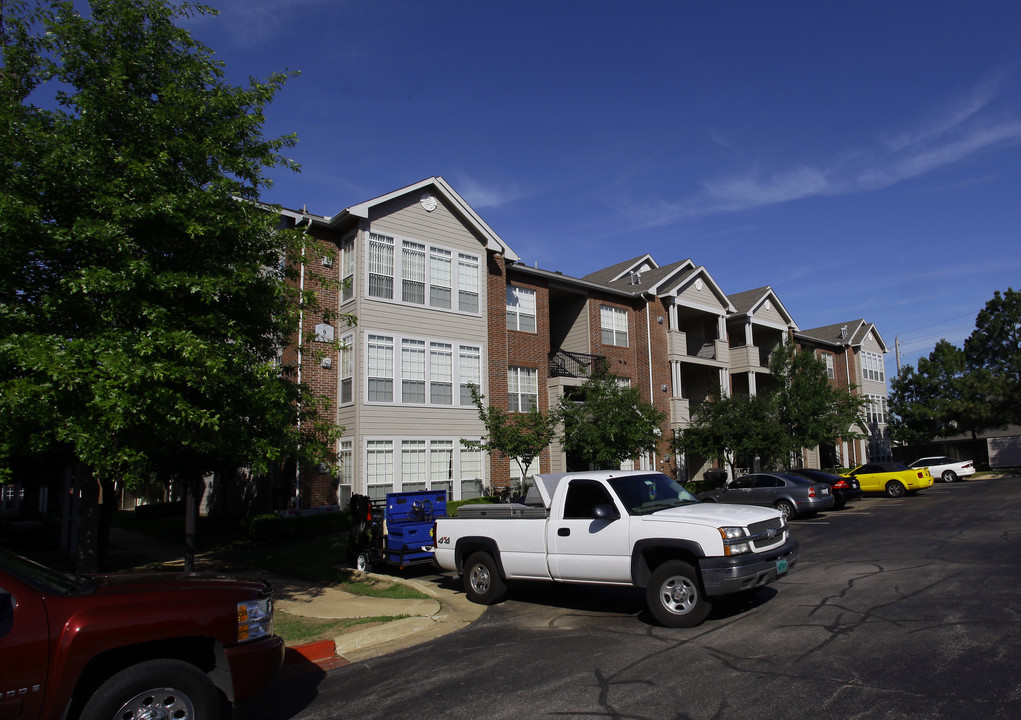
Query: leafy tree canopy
x: 606, y: 423
x: 144, y: 295
x: 993, y: 352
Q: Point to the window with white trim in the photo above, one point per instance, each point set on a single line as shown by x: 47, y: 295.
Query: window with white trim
x: 613, y: 323
x: 426, y: 372
x: 425, y: 274
x: 440, y: 280
x: 519, y: 480
x: 413, y: 273
x: 441, y: 374
x: 441, y: 466
x: 380, y: 350
x: 827, y: 359
x: 347, y: 369
x: 345, y: 459
x: 470, y: 366
x: 520, y: 309
x: 876, y: 412
x: 468, y: 283
x: 413, y: 457
x: 873, y: 367
x: 379, y: 468
x: 522, y: 389
x: 413, y: 371
x: 471, y: 473
x: 381, y: 266
x: 347, y: 270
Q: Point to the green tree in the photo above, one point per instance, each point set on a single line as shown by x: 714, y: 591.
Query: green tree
x: 727, y: 428
x: 993, y: 352
x: 520, y: 436
x: 928, y: 403
x: 606, y: 423
x: 144, y: 293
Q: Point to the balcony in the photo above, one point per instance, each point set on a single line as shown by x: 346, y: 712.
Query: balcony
x: 682, y: 346
x: 574, y: 365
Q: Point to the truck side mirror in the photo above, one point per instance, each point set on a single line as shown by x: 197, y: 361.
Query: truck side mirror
x: 605, y: 511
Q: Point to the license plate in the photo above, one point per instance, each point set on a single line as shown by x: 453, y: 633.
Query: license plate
x: 781, y: 567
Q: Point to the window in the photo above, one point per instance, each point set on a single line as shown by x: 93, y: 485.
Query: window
x: 379, y: 468
x: 876, y: 413
x: 441, y: 374
x: 471, y: 473
x: 582, y: 498
x: 468, y: 283
x: 470, y: 365
x: 439, y: 278
x: 522, y: 389
x: 519, y: 481
x: 413, y: 371
x: 424, y: 273
x: 413, y: 455
x: 441, y: 466
x: 613, y: 322
x: 347, y: 270
x: 381, y: 368
x: 345, y: 458
x: 413, y: 267
x: 521, y: 309
x: 873, y: 367
x: 827, y: 359
x: 425, y: 372
x: 346, y: 369
x: 381, y: 266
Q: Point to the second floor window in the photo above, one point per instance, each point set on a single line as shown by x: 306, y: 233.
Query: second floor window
x: 347, y: 369
x: 522, y: 389
x: 872, y: 367
x: 425, y: 372
x: 521, y: 309
x: 827, y: 359
x: 613, y: 322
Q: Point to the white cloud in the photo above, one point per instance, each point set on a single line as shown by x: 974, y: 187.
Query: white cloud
x: 480, y: 195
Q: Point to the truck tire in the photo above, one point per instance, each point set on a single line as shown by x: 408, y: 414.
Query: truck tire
x: 363, y: 562
x: 674, y: 596
x: 178, y: 689
x: 482, y: 581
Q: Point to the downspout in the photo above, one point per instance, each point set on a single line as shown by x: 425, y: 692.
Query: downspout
x: 648, y: 352
x: 847, y: 373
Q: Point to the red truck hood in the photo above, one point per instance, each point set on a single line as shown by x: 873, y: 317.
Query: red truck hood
x: 115, y: 583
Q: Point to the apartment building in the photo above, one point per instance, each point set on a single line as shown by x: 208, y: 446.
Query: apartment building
x: 443, y: 303
x: 854, y: 354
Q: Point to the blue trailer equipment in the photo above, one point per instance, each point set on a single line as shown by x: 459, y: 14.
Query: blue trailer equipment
x: 396, y: 531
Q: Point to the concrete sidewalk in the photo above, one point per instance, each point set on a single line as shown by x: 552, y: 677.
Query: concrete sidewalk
x: 446, y: 609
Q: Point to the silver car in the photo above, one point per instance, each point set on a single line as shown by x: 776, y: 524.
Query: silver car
x: 792, y: 495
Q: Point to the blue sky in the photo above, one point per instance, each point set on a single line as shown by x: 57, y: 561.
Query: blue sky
x: 863, y: 159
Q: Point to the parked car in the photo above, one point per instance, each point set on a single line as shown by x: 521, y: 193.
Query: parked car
x: 945, y: 468
x: 792, y: 495
x: 131, y: 645
x: 895, y: 479
x: 843, y: 489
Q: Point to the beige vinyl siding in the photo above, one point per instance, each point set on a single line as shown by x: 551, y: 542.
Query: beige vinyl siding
x: 704, y: 299
x: 770, y: 317
x: 870, y: 387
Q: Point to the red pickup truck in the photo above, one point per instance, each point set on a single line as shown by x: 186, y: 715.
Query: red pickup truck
x: 133, y: 645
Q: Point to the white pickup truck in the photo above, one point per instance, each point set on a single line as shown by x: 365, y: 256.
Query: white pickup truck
x: 618, y: 528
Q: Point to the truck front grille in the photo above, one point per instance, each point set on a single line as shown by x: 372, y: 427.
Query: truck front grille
x: 768, y: 534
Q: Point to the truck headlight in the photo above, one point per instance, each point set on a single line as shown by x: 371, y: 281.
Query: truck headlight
x: 255, y: 619
x: 735, y: 540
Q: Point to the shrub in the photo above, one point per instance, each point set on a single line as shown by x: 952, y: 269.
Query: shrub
x: 453, y: 506
x: 273, y: 528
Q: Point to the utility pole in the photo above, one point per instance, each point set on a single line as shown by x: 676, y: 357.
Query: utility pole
x: 896, y: 346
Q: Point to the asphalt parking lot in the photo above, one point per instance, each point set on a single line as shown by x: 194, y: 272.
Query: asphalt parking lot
x: 906, y: 608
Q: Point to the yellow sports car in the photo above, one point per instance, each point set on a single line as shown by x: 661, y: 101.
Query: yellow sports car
x: 895, y: 479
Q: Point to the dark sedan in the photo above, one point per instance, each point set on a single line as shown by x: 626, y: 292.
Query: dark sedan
x: 792, y: 495
x: 843, y: 489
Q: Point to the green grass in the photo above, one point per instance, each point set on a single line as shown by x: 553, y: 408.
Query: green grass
x: 297, y: 630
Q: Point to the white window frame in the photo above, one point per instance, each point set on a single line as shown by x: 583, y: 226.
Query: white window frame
x: 397, y: 464
x: 522, y: 389
x: 347, y: 369
x: 829, y: 361
x: 394, y: 276
x: 347, y: 269
x: 444, y: 368
x: 872, y: 367
x: 521, y: 309
x: 613, y: 323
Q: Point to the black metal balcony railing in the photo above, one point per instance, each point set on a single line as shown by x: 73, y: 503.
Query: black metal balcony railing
x: 577, y: 365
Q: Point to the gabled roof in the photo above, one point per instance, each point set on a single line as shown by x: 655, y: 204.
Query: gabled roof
x: 441, y: 188
x: 749, y: 301
x: 846, y: 334
x: 612, y: 274
x: 688, y: 278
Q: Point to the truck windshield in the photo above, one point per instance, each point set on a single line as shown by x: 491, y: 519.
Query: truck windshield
x: 644, y: 494
x: 39, y: 576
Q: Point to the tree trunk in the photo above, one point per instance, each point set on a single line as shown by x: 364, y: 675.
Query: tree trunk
x: 87, y: 555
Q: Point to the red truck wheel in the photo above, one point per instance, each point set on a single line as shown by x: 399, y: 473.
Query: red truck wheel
x: 155, y: 688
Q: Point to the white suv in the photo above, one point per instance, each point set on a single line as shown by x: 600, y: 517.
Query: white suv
x: 945, y: 468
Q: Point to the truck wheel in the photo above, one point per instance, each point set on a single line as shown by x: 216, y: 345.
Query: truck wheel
x: 674, y: 596
x: 363, y: 563
x: 155, y: 688
x: 482, y: 581
x: 895, y: 489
